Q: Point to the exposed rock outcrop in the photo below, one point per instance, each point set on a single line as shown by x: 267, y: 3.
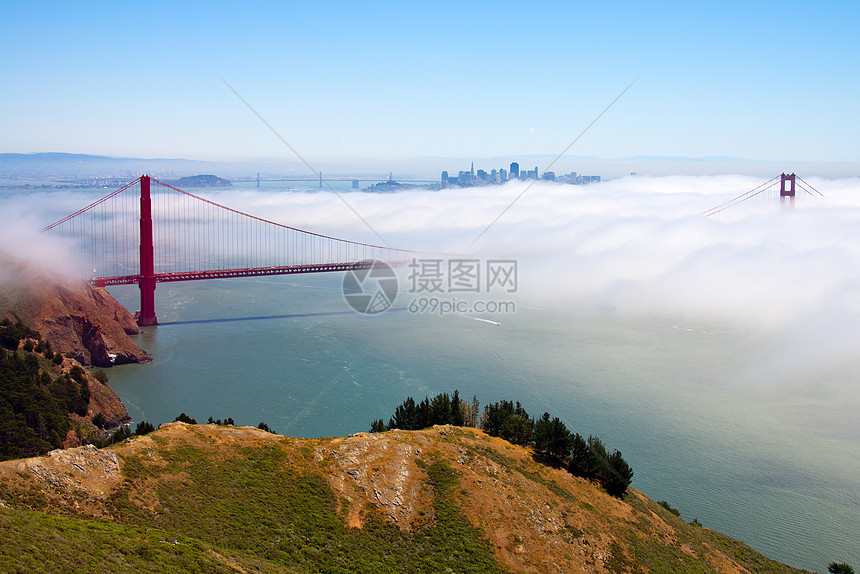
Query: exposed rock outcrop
x: 84, y: 469
x: 380, y: 468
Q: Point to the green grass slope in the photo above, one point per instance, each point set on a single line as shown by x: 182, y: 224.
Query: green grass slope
x: 223, y: 499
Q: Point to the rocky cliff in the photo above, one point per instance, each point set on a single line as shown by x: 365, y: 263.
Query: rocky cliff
x: 73, y: 316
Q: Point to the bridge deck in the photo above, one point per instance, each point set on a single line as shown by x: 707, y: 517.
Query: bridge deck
x: 228, y: 273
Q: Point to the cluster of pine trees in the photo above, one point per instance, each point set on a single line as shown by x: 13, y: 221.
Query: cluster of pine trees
x: 583, y: 457
x: 11, y: 334
x: 34, y: 406
x: 440, y: 410
x: 510, y: 421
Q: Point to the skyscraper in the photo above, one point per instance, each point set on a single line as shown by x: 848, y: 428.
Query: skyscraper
x: 515, y: 170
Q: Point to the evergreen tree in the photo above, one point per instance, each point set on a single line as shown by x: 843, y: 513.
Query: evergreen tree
x: 143, y: 428
x: 840, y: 568
x: 423, y: 415
x: 518, y: 430
x: 440, y: 411
x: 494, y: 417
x: 263, y: 426
x: 578, y: 453
x: 509, y: 421
x: 596, y: 459
x: 183, y: 418
x: 457, y: 417
x: 560, y: 440
x: 543, y: 432
x: 404, y: 415
x: 618, y: 475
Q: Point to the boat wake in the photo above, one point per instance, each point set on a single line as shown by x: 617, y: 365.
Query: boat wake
x: 485, y: 321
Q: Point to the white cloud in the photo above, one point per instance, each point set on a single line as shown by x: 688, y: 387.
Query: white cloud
x: 637, y: 244
x: 21, y: 218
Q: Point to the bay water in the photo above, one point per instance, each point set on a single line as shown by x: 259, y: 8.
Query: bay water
x: 288, y: 351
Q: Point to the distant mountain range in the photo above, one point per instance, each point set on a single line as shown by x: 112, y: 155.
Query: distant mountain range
x: 70, y: 165
x: 53, y: 165
x: 83, y: 166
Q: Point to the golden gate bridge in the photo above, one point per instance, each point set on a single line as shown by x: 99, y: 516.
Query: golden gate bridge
x: 150, y: 232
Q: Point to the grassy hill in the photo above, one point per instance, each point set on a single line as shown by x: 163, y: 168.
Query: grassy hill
x: 207, y: 498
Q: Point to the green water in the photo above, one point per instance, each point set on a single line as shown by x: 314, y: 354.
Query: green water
x: 770, y: 468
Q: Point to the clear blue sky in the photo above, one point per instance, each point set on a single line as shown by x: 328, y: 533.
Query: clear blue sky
x: 760, y: 80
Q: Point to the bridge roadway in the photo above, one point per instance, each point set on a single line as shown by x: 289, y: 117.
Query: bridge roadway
x: 228, y: 273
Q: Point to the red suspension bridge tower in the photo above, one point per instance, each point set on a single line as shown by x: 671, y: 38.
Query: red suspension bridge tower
x: 147, y: 258
x: 786, y: 188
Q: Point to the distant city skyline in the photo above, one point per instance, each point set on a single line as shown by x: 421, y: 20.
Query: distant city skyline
x: 370, y: 82
x: 499, y: 176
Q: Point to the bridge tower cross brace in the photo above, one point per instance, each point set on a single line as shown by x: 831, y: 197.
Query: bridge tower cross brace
x: 786, y: 189
x: 146, y: 318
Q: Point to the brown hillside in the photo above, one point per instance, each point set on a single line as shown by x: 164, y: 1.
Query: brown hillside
x: 534, y: 518
x: 72, y: 315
